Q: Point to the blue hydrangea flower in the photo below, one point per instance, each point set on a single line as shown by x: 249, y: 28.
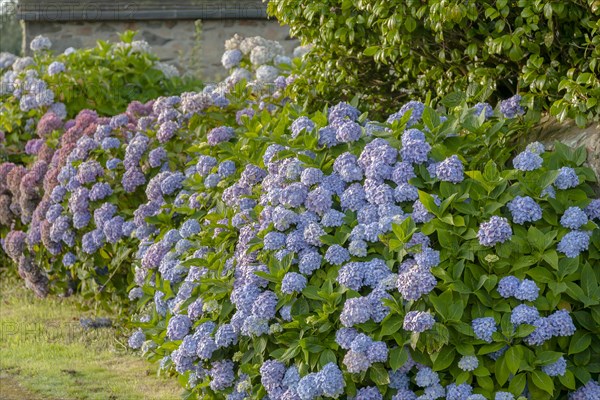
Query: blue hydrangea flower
x: 504, y: 396
x: 567, y: 178
x: 293, y: 282
x: 574, y: 243
x: 300, y: 124
x: 178, y: 327
x: 527, y: 161
x: 274, y: 240
x: 593, y: 209
x: 327, y: 136
x: 356, y: 311
x: 507, y: 287
x: 511, y: 107
x: 415, y: 281
x: 450, y: 170
x: 345, y: 336
x: 308, y: 388
x: 536, y: 147
x: 557, y: 368
x: 100, y: 191
x: 69, y: 259
x: 137, y: 339
x: 418, y: 321
x: 157, y: 156
x: 561, y: 323
x: 468, y: 363
x: 310, y: 262
x: 524, y: 209
x: 483, y: 107
x: 348, y: 131
x: 527, y: 290
x: 415, y: 151
x: 484, y: 328
x: 331, y: 380
x: 524, y: 314
x: 337, y: 255
x: 427, y: 377
x: 458, y: 392
x: 319, y: 200
x: 543, y: 332
x: 496, y: 230
x: 573, y: 218
x: 222, y: 375
x: 416, y: 109
x: 428, y: 258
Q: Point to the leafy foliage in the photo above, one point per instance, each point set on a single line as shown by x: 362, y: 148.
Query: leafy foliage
x: 387, y: 52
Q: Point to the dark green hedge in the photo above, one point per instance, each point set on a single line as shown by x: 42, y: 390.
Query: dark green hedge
x: 546, y: 50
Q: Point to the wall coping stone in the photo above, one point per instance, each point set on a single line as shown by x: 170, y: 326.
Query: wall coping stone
x: 119, y: 10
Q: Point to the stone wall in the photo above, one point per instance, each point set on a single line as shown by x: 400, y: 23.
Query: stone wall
x: 550, y: 131
x: 174, y: 41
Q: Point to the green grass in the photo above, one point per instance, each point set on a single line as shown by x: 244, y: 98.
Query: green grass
x: 46, y: 354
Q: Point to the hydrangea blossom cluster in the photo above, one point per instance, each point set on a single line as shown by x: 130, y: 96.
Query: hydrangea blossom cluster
x: 286, y: 213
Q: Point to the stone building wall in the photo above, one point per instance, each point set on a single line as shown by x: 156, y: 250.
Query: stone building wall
x: 174, y: 41
x: 550, y: 130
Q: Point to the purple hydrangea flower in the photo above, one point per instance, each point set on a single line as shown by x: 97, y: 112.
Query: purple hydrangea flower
x: 219, y: 135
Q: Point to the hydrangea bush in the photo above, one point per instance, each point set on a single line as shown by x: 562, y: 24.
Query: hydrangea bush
x: 39, y: 93
x: 109, y: 175
x: 329, y: 256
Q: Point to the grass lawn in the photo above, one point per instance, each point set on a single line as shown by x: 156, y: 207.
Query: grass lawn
x: 46, y: 354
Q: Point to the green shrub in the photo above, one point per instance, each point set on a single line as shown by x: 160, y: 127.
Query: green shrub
x: 105, y: 78
x: 234, y: 271
x: 389, y: 51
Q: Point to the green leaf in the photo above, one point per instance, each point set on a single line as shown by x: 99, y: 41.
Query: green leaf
x: 547, y: 357
x: 542, y: 381
x: 379, y: 374
x: 410, y: 24
x: 517, y: 384
x: 568, y: 380
x: 371, y: 50
x: 513, y: 357
x: 326, y: 357
x: 398, y: 357
x: 579, y: 342
x: 392, y: 325
x: 443, y: 359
